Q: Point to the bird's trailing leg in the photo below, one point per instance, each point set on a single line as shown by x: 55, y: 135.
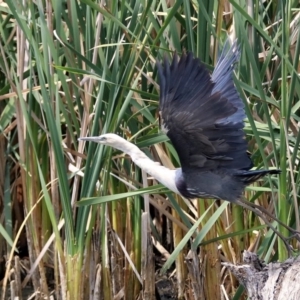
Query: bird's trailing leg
x: 259, y: 211
x: 266, y: 212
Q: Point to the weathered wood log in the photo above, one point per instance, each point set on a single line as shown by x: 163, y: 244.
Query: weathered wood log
x: 273, y: 281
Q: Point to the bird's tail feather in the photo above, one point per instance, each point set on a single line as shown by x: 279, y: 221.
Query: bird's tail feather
x: 250, y: 176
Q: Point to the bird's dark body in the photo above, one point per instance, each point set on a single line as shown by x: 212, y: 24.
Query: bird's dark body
x: 204, y: 116
x: 220, y: 184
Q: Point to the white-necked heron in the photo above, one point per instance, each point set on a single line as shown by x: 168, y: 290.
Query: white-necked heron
x: 203, y: 116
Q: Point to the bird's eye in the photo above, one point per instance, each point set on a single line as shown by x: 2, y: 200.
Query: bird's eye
x: 102, y: 139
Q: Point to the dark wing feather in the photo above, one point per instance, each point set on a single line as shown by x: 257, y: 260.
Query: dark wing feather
x: 203, y: 115
x: 222, y: 77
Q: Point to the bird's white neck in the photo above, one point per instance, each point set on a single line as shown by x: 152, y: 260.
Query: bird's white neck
x: 159, y: 172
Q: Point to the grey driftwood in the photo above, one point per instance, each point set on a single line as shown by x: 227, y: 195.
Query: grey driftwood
x: 273, y: 281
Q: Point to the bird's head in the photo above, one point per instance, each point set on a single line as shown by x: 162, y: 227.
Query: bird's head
x: 109, y: 139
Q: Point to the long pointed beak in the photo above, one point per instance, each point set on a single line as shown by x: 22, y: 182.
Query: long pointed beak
x: 91, y: 138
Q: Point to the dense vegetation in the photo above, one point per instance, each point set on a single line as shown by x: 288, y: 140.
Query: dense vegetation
x: 81, y: 219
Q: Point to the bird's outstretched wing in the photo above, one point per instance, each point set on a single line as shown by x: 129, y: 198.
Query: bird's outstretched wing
x: 202, y: 114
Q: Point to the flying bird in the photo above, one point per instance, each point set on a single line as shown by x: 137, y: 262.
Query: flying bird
x: 203, y: 116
